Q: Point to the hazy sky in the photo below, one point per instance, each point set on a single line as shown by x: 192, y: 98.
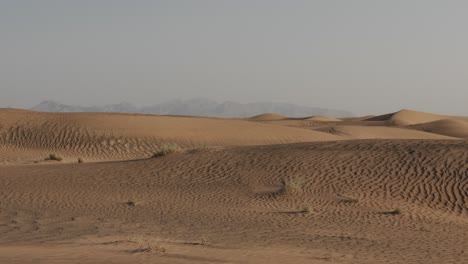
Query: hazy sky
x: 364, y: 56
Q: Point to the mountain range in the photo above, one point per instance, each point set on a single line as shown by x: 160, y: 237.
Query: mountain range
x: 199, y: 107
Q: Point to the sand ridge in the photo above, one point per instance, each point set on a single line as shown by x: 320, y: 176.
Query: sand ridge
x: 267, y: 117
x: 28, y: 135
x: 380, y: 132
x: 323, y: 119
x: 407, y: 117
x: 450, y: 127
x: 290, y: 190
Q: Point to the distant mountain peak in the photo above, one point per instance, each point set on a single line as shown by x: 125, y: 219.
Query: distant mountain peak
x: 199, y: 107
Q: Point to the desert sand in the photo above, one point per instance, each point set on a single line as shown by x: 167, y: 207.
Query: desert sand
x: 267, y: 189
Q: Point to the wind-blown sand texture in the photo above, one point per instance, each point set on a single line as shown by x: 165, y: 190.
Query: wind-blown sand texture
x: 237, y: 191
x: 31, y: 136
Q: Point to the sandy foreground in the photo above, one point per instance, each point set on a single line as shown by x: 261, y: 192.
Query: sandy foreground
x: 267, y: 189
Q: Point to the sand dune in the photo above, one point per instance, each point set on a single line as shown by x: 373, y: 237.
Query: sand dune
x: 404, y: 124
x: 27, y: 135
x: 407, y: 117
x: 448, y: 127
x: 267, y: 117
x: 323, y: 119
x: 380, y: 127
x: 360, y: 118
x: 380, y: 132
x: 354, y: 202
x: 262, y: 190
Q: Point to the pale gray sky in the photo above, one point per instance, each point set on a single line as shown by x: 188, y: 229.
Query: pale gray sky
x: 364, y: 56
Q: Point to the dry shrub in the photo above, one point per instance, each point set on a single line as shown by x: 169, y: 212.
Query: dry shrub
x: 292, y: 186
x: 167, y: 149
x: 55, y: 157
x: 150, y: 248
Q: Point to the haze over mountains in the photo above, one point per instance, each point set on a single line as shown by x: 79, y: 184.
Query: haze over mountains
x: 199, y: 107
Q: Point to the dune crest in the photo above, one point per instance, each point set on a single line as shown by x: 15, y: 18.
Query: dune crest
x: 379, y: 132
x: 407, y: 117
x: 447, y: 127
x: 28, y: 135
x: 323, y: 119
x: 267, y: 117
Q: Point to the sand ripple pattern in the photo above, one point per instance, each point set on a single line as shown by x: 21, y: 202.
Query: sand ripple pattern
x: 29, y: 136
x: 232, y: 196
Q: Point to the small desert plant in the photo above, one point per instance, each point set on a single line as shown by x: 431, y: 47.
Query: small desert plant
x: 292, y: 186
x: 144, y: 245
x: 80, y: 160
x: 167, y: 149
x: 204, y: 148
x: 306, y: 210
x: 203, y: 240
x: 150, y: 248
x: 54, y: 157
x: 130, y: 203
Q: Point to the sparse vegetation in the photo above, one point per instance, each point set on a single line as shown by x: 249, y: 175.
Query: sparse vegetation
x: 306, y: 210
x: 130, y: 203
x: 292, y: 186
x: 54, y: 157
x: 150, y: 248
x: 167, y: 149
x: 204, y: 148
x: 80, y: 160
x: 144, y: 245
x: 203, y: 240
